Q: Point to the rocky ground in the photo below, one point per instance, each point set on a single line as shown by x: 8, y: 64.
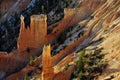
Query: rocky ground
x: 11, y: 11
x: 103, y: 27
x: 108, y: 27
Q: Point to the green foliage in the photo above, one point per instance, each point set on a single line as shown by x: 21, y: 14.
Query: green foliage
x: 26, y: 77
x: 89, y: 66
x: 17, y: 79
x: 66, y: 66
x: 80, y: 75
x: 31, y: 62
x: 80, y: 64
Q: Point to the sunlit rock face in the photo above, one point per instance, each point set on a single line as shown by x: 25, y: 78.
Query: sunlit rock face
x: 31, y: 36
x: 107, y: 26
x: 101, y: 21
x: 48, y: 70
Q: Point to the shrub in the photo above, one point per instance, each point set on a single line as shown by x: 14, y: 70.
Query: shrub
x: 89, y: 66
x: 26, y: 77
x: 31, y: 62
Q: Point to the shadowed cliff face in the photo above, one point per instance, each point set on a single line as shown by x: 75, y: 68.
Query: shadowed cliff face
x: 98, y: 22
x: 10, y: 7
x: 10, y: 11
x: 5, y: 5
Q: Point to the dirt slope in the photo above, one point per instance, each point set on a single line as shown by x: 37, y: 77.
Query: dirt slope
x: 104, y: 23
x: 108, y: 28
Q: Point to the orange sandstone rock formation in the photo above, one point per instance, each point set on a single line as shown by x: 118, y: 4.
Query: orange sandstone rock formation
x: 31, y: 36
x: 47, y: 64
x: 48, y: 70
x: 28, y: 38
x: 8, y: 59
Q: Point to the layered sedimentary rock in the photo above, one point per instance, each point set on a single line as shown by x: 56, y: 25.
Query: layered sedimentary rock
x: 38, y: 27
x: 48, y: 72
x: 106, y: 25
x: 10, y: 7
x: 47, y: 63
x: 4, y: 5
x: 31, y: 36
x: 104, y: 22
x: 110, y: 27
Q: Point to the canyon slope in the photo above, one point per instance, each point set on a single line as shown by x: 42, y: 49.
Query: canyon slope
x: 95, y: 23
x: 10, y: 7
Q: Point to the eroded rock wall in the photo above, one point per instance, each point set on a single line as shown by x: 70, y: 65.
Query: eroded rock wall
x: 107, y: 26
x: 30, y: 37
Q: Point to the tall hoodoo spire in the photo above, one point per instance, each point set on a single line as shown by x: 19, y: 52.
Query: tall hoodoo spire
x: 22, y: 22
x: 38, y: 26
x: 47, y: 63
x: 31, y: 37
